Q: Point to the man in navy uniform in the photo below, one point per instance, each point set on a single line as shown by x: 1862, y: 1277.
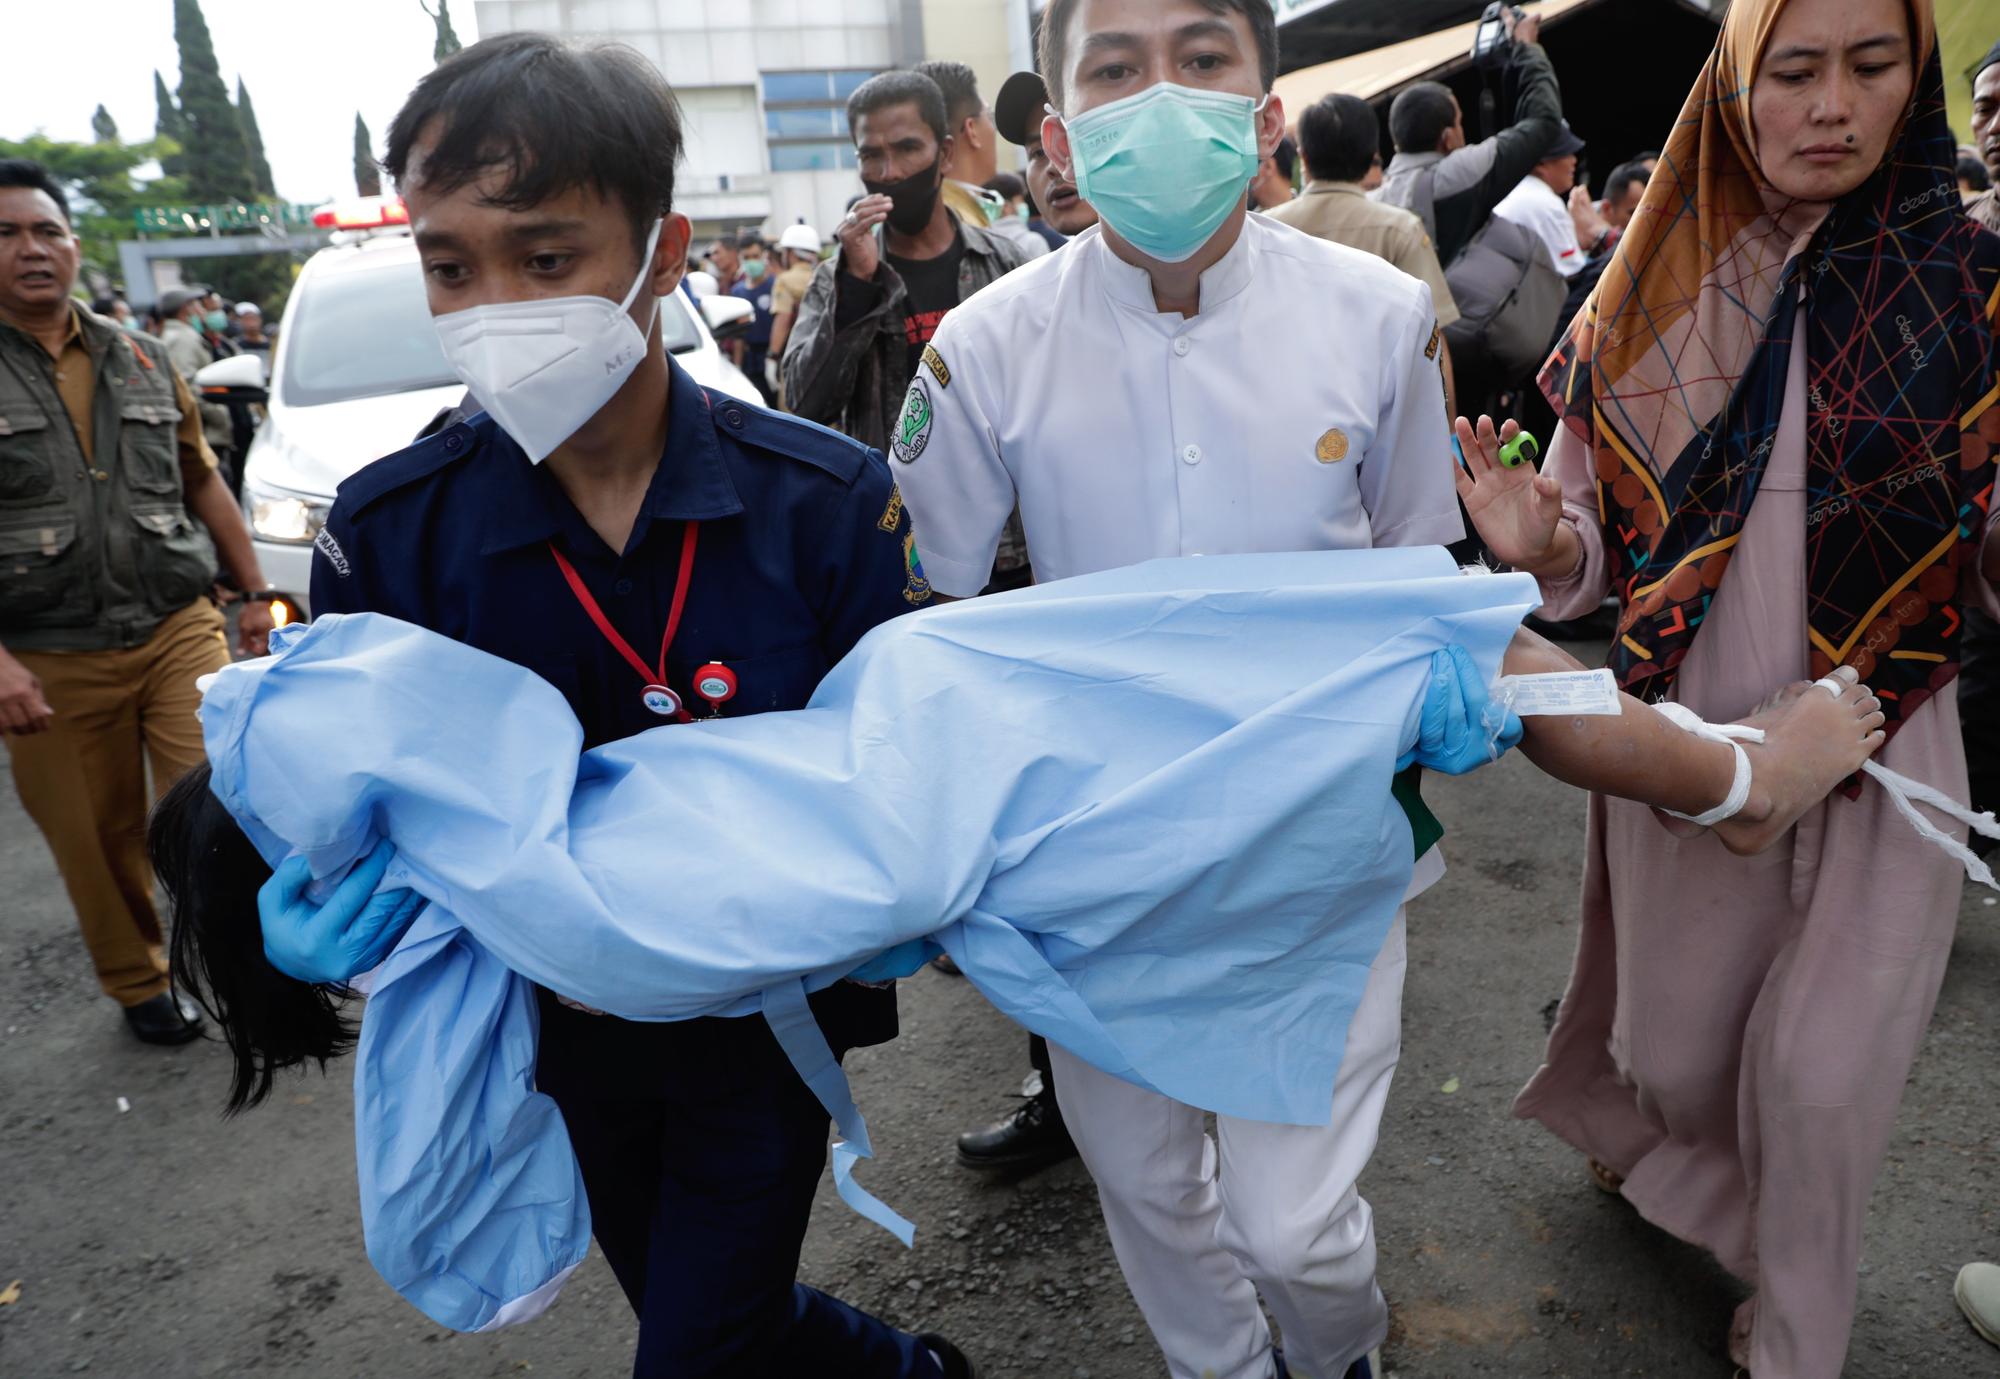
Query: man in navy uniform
x: 658, y: 554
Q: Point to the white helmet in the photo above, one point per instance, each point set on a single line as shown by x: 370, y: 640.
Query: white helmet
x: 803, y: 238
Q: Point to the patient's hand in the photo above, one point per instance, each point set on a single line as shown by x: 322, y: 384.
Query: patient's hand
x: 350, y: 934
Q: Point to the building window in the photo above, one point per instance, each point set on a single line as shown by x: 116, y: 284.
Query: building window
x: 805, y: 119
x: 797, y: 157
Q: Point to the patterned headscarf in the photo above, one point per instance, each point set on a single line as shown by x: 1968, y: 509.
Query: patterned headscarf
x: 1675, y: 374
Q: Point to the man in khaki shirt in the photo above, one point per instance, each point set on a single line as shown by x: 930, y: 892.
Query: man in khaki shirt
x: 1340, y: 139
x: 112, y: 520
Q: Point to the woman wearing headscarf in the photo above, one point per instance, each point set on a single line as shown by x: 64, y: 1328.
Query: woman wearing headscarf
x: 1776, y: 447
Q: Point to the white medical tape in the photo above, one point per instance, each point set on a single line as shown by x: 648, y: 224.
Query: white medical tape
x: 1734, y: 734
x: 1902, y: 790
x: 1905, y: 794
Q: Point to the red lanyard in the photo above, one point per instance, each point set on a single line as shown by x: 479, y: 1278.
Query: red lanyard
x: 655, y: 678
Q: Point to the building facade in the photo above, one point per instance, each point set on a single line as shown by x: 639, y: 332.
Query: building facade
x: 764, y: 84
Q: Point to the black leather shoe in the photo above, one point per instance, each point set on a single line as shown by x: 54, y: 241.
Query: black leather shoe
x: 166, y: 1019
x: 1032, y: 1135
x: 956, y: 1366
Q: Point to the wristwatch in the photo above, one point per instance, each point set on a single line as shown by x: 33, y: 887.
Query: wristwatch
x: 264, y: 596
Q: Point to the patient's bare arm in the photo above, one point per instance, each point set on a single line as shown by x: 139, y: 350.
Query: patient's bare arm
x: 1813, y: 741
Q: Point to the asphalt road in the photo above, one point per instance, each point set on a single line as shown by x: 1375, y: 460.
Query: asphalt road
x: 163, y: 1242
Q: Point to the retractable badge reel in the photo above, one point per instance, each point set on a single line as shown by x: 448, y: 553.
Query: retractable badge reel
x: 716, y: 684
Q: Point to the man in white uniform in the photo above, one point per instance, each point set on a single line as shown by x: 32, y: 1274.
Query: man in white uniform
x: 1188, y: 379
x: 1540, y: 204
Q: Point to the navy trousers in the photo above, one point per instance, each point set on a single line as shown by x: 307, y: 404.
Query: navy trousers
x: 701, y: 1151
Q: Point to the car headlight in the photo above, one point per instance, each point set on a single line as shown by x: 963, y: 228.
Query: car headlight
x: 288, y: 518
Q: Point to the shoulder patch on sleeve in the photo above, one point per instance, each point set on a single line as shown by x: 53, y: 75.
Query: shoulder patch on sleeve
x: 935, y: 363
x: 793, y: 437
x: 916, y: 587
x: 892, y: 516
x: 327, y: 546
x: 1437, y: 336
x: 913, y: 426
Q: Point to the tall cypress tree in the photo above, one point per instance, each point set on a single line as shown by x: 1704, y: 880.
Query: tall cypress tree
x: 103, y: 129
x: 367, y: 172
x: 447, y: 37
x: 253, y: 140
x: 167, y: 125
x: 218, y: 164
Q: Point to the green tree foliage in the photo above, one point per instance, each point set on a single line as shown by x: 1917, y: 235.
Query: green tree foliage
x: 217, y: 163
x: 447, y: 37
x: 367, y: 172
x: 102, y: 127
x: 168, y: 129
x: 253, y: 140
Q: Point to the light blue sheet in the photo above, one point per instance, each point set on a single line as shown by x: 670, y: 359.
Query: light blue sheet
x: 1146, y: 811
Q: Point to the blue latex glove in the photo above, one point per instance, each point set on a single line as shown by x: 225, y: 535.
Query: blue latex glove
x: 1462, y: 729
x: 904, y: 960
x: 350, y: 934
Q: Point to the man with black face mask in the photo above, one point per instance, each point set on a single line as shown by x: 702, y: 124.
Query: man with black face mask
x: 903, y: 262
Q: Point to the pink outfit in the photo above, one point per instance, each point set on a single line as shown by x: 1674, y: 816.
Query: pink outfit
x: 1737, y: 1031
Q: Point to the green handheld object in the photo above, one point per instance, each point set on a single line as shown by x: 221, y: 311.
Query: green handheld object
x: 1523, y: 449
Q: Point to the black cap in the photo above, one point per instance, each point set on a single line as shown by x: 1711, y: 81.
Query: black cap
x: 1018, y: 109
x: 1567, y: 144
x: 1992, y: 56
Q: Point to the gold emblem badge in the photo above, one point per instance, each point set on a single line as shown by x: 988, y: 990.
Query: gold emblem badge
x: 1332, y: 448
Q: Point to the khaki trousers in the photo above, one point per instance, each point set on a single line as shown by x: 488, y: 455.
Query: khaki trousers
x: 84, y: 781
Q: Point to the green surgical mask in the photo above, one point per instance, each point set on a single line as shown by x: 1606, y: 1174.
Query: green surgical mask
x: 216, y: 321
x: 1167, y: 167
x: 753, y: 269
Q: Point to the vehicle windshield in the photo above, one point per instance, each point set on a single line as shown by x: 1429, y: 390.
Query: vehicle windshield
x: 367, y: 332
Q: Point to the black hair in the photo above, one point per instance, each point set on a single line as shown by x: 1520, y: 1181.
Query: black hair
x: 1421, y: 115
x: 1972, y: 172
x: 1286, y: 157
x: 1054, y: 46
x: 1340, y: 138
x: 1622, y: 177
x: 961, y: 90
x: 211, y: 874
x: 900, y: 88
x: 26, y: 172
x: 552, y: 116
x: 1006, y: 186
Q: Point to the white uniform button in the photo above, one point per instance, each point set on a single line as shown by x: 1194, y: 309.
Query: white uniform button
x: 1182, y: 346
x: 1192, y: 455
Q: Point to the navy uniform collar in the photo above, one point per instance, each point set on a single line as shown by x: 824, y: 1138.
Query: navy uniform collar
x: 692, y: 483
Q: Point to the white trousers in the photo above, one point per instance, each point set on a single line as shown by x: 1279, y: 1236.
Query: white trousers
x: 1201, y: 1233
